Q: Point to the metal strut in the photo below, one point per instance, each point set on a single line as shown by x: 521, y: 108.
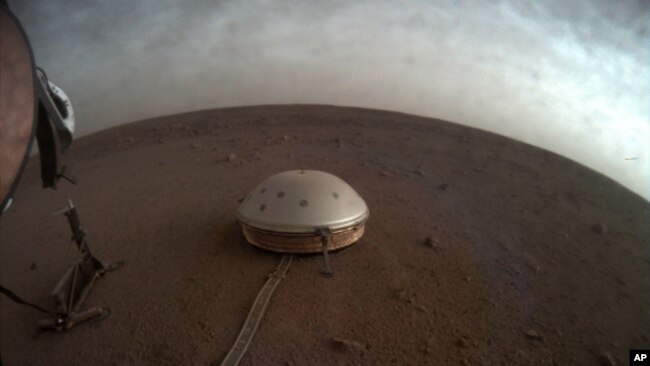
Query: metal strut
x: 256, y: 313
x: 326, y: 238
x: 72, y: 289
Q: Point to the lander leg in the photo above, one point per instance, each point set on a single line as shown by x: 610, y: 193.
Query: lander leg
x: 73, y: 287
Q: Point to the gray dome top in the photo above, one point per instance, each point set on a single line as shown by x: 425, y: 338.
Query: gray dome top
x: 302, y: 201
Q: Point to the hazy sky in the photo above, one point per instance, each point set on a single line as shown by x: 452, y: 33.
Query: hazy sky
x: 569, y: 76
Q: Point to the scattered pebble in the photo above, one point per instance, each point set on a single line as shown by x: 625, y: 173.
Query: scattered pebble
x: 533, y: 266
x: 196, y: 146
x: 605, y: 359
x: 443, y: 187
x: 532, y: 334
x: 461, y: 343
x: 347, y: 344
x: 620, y: 281
x: 384, y: 173
x: 232, y: 157
x: 32, y: 266
x: 432, y: 243
x: 599, y: 228
x: 285, y: 137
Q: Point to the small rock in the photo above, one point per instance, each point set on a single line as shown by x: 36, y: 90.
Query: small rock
x: 419, y: 173
x: 443, y: 187
x: 599, y: 228
x: 605, y: 359
x: 384, y: 173
x: 203, y: 326
x: 32, y: 266
x: 285, y: 137
x: 520, y: 353
x: 196, y: 146
x: 347, y: 344
x: 532, y: 334
x: 431, y: 243
x: 534, y: 267
x: 461, y: 343
x: 467, y: 278
x: 232, y: 157
x: 402, y: 294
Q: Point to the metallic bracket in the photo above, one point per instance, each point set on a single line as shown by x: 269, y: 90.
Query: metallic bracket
x: 72, y: 289
x: 326, y: 238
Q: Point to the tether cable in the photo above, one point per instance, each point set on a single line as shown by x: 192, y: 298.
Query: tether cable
x: 17, y: 299
x: 256, y: 313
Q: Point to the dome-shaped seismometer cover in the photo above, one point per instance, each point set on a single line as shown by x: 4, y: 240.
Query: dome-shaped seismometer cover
x: 291, y: 206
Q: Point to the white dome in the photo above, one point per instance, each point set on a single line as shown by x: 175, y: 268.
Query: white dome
x: 302, y: 201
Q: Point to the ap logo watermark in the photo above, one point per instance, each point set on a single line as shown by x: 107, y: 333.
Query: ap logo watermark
x: 639, y: 357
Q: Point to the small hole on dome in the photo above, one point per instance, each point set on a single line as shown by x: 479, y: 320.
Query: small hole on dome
x: 263, y: 190
x: 262, y: 207
x: 304, y: 203
x: 280, y: 194
x: 336, y: 195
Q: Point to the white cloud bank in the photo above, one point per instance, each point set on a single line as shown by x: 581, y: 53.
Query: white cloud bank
x: 571, y: 77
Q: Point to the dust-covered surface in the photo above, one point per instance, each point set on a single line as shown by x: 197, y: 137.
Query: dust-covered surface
x: 479, y: 249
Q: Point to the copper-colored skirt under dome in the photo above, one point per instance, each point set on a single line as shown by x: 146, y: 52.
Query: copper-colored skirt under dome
x: 299, y: 242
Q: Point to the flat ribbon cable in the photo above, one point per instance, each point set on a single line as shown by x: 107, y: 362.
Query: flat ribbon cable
x: 256, y: 313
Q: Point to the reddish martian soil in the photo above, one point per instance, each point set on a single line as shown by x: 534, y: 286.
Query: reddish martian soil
x: 531, y: 259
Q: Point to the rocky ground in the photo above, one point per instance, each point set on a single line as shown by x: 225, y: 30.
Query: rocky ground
x: 479, y: 249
